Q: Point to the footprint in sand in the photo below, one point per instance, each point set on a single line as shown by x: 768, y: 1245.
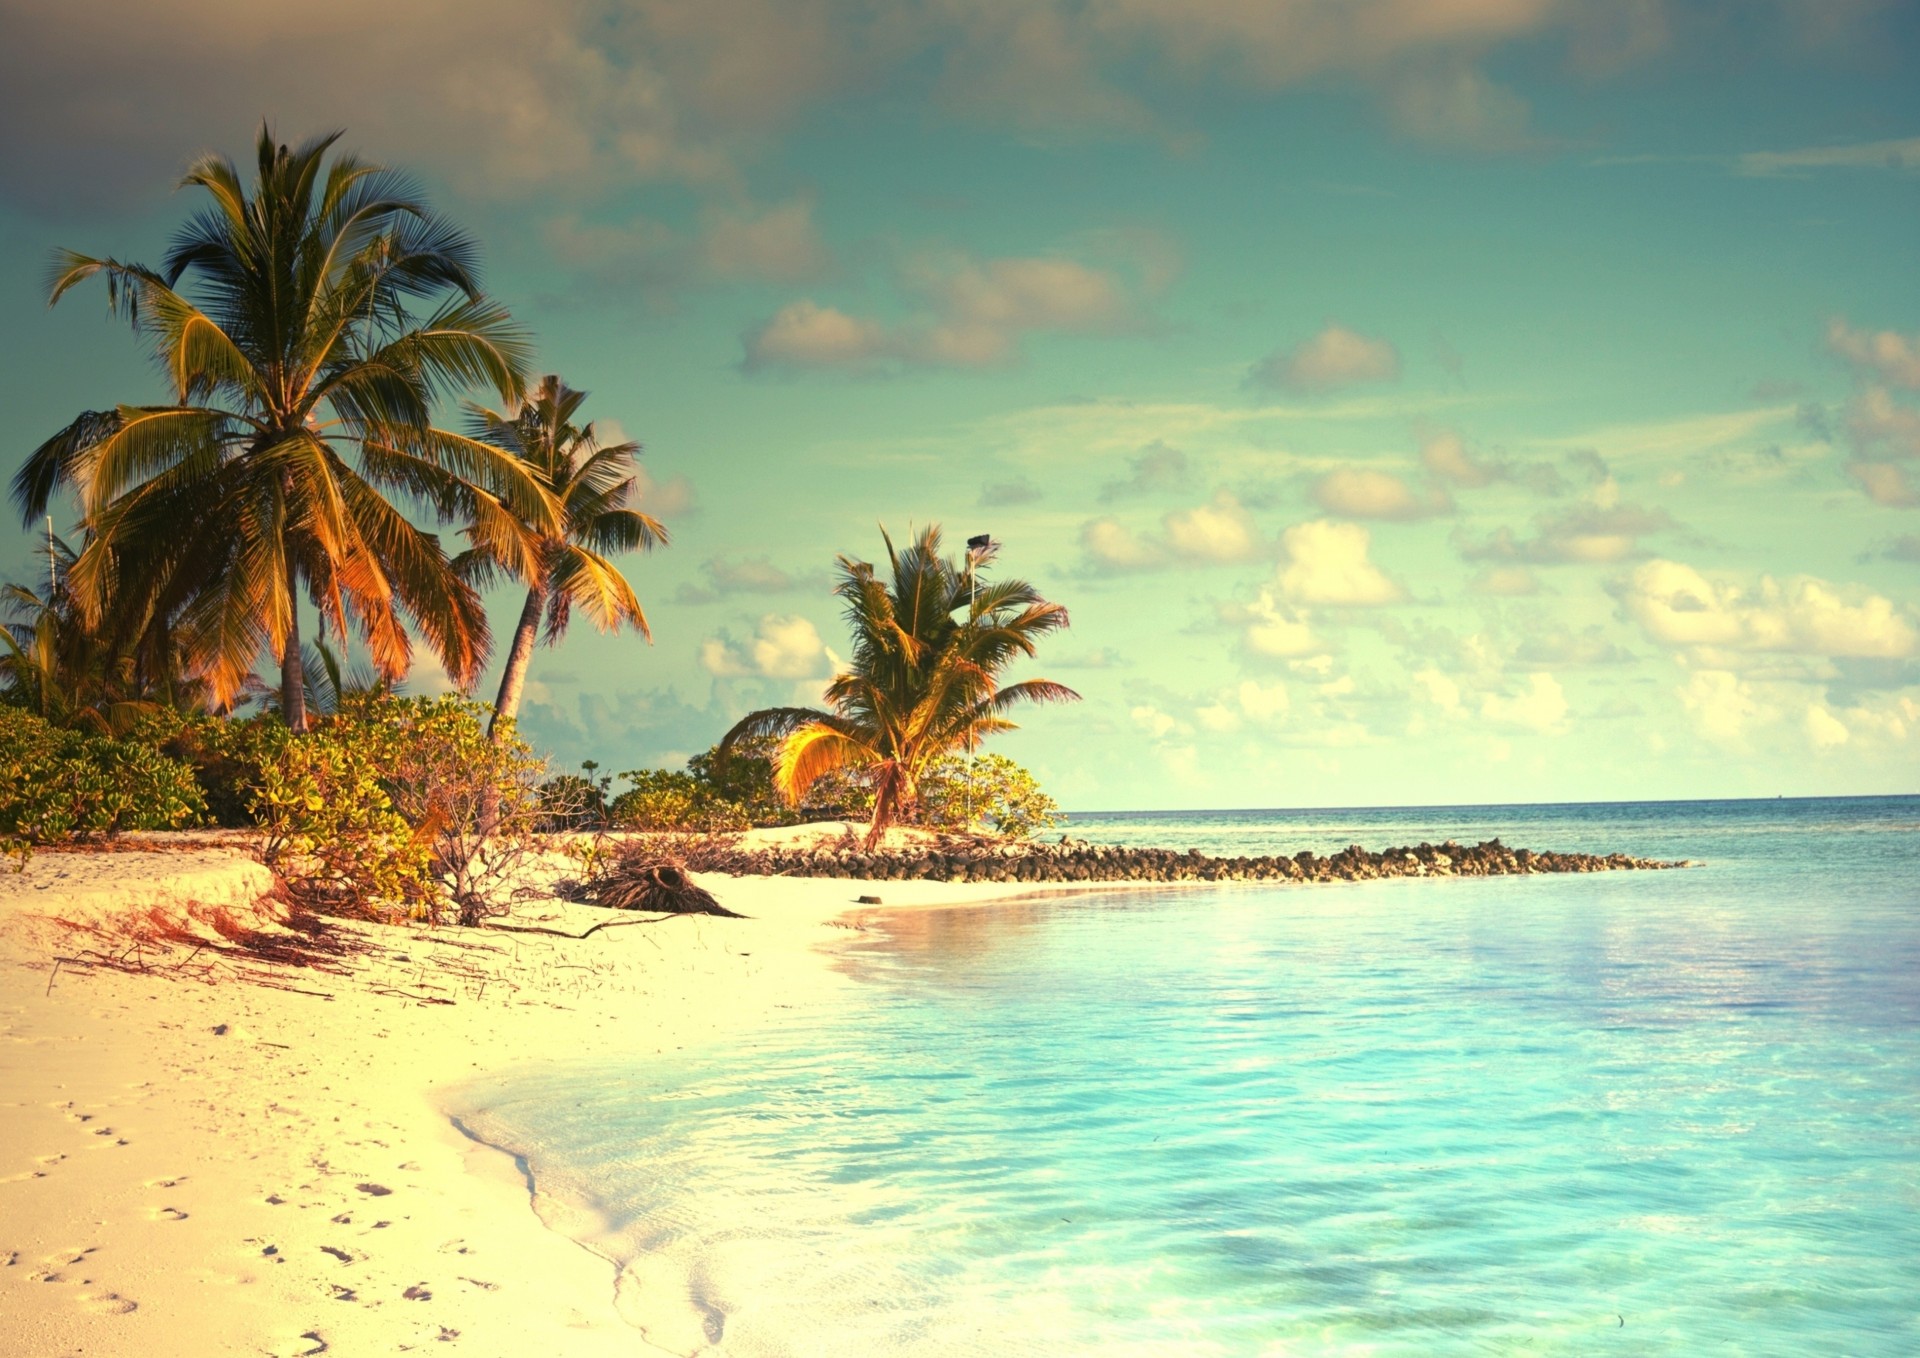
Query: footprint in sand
x: 168, y: 1214
x: 108, y: 1303
x: 174, y: 1182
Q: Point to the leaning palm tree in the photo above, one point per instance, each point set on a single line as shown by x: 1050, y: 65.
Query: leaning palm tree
x: 305, y: 329
x: 566, y: 562
x: 928, y: 650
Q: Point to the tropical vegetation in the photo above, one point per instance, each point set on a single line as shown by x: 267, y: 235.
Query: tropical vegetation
x: 930, y: 642
x: 308, y: 325
x: 562, y: 560
x: 62, y: 783
x: 305, y: 328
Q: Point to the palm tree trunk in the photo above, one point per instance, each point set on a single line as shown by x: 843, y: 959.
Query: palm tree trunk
x: 892, y: 793
x: 293, y: 681
x: 507, y: 706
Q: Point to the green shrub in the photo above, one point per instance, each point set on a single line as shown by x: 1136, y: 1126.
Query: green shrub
x: 474, y: 802
x: 958, y: 793
x: 745, y: 779
x: 661, y: 799
x: 331, y: 829
x: 67, y: 784
x: 396, y: 802
x: 226, y: 755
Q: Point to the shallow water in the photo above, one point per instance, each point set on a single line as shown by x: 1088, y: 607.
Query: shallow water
x: 1638, y: 1113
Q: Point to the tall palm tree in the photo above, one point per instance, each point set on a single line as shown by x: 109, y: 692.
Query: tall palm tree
x: 321, y: 314
x: 566, y: 562
x: 928, y: 650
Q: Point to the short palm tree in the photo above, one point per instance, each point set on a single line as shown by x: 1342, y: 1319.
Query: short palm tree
x: 565, y: 563
x: 928, y: 649
x: 71, y: 675
x: 322, y: 315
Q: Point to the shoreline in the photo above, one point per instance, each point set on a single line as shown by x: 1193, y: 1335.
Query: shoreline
x: 222, y: 1133
x: 266, y: 1108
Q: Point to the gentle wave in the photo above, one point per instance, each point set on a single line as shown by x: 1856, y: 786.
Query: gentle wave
x: 1640, y: 1113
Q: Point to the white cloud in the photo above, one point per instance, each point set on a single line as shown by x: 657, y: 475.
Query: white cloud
x: 782, y: 647
x: 736, y: 241
x: 1680, y: 607
x: 1273, y: 629
x: 1885, y: 483
x: 1364, y: 494
x: 1336, y: 357
x: 1252, y: 701
x: 1440, y: 690
x: 744, y: 575
x: 1887, y: 355
x: 1215, y: 533
x: 1507, y: 582
x: 1219, y: 531
x: 663, y: 499
x: 1824, y: 730
x: 1900, y: 154
x: 1454, y: 104
x: 775, y: 244
x: 1327, y: 564
x: 1541, y: 706
x: 1263, y: 702
x: 1111, y: 546
x: 1877, y: 423
x: 1723, y: 705
x: 1156, y: 467
x: 804, y: 334
x: 967, y: 313
x: 1158, y: 724
x: 1599, y: 532
x: 1445, y: 455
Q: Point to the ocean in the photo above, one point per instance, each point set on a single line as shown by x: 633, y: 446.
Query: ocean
x: 1640, y: 1113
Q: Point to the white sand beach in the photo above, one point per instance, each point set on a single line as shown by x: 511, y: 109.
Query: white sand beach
x: 219, y: 1131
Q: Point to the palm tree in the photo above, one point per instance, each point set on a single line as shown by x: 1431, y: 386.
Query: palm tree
x: 75, y: 676
x: 924, y: 677
x: 298, y: 341
x: 566, y: 562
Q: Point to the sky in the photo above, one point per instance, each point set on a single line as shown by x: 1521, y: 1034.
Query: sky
x: 1412, y: 401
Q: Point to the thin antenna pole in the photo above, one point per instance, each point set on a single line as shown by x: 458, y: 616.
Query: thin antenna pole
x: 53, y: 565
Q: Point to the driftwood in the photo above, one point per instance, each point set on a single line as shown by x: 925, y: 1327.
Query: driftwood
x: 640, y: 882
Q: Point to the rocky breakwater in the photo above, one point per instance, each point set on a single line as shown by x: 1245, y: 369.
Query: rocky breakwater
x: 1078, y: 861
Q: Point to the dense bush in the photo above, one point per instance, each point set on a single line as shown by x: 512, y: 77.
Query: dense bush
x: 226, y: 756
x: 745, y: 778
x: 331, y: 829
x: 663, y: 800
x: 66, y: 784
x: 475, y: 802
x: 396, y: 802
x: 958, y: 793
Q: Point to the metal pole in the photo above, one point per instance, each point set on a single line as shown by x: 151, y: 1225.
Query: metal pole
x: 53, y: 565
x: 979, y: 548
x: 973, y: 759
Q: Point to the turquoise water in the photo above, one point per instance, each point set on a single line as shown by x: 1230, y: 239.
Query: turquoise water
x: 1636, y: 1113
